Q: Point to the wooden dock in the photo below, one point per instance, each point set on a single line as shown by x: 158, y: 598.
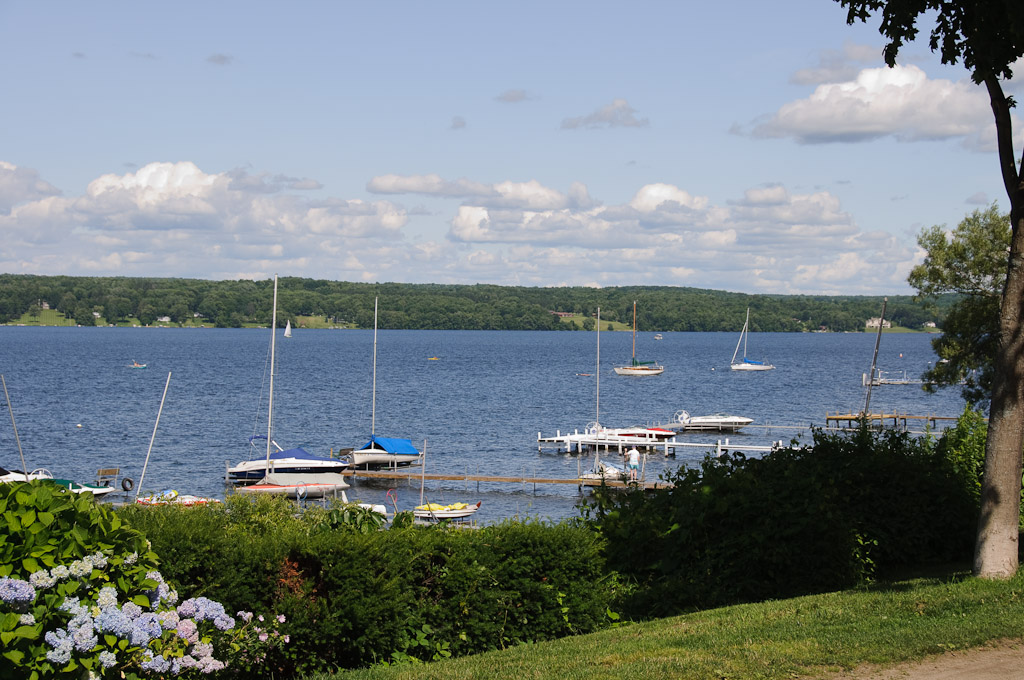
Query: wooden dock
x: 900, y: 421
x: 414, y: 478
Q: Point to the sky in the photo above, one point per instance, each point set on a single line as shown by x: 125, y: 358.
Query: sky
x: 736, y: 145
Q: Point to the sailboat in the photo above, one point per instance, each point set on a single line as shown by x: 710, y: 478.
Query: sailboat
x: 288, y: 328
x: 747, y: 364
x: 636, y: 367
x: 381, y: 451
x: 292, y: 484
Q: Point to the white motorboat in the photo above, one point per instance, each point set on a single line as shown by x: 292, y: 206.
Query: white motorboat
x: 297, y: 485
x: 295, y: 460
x: 747, y: 364
x: 718, y: 422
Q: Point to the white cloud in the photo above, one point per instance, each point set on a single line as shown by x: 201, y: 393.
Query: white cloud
x: 21, y: 185
x: 173, y: 219
x: 617, y: 114
x: 431, y: 185
x: 836, y: 66
x: 900, y: 102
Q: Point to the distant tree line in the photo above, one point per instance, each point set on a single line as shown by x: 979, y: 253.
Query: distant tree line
x: 435, y: 306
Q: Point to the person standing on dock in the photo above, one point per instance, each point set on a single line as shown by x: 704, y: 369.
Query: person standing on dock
x: 634, y: 463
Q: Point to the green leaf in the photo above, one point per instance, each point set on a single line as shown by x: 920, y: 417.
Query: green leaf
x: 15, y: 656
x: 141, y: 600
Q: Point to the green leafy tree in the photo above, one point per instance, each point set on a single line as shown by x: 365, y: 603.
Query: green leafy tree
x: 988, y: 36
x: 971, y: 262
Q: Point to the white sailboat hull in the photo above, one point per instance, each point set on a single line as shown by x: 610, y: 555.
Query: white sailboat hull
x: 377, y: 458
x: 751, y: 367
x: 640, y: 370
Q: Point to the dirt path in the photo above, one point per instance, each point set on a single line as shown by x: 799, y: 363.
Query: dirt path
x: 1003, y: 660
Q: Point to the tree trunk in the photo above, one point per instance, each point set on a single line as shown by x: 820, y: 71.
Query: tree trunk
x: 996, y: 548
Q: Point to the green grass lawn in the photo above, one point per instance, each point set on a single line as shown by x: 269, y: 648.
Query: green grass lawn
x: 806, y: 636
x: 605, y: 325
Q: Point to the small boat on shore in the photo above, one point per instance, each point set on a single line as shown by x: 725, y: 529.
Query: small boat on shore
x: 436, y: 512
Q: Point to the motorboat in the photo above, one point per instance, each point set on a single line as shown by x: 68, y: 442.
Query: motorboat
x: 295, y: 460
x: 299, y: 486
x: 718, y: 422
x: 19, y: 476
x: 630, y: 433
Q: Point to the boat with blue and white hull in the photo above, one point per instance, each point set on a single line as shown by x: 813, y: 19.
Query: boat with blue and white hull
x: 289, y: 461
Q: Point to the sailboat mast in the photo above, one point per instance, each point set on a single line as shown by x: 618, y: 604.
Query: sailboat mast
x: 634, y: 332
x: 874, y: 358
x: 746, y: 330
x: 373, y: 407
x: 597, y: 415
x: 270, y: 401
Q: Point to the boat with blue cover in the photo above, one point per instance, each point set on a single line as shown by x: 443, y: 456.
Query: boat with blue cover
x: 384, y: 452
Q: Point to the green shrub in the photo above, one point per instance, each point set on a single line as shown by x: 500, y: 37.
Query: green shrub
x: 353, y: 597
x: 796, y: 521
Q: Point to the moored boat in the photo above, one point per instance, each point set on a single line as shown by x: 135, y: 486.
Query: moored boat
x: 436, y: 512
x: 718, y: 422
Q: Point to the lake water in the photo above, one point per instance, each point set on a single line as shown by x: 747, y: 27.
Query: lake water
x: 479, y: 406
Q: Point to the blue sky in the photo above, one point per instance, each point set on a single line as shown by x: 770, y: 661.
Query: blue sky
x: 739, y: 145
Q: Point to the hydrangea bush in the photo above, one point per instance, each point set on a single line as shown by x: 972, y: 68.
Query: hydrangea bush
x: 80, y: 594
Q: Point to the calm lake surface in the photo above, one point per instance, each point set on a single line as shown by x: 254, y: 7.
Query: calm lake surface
x: 479, y: 406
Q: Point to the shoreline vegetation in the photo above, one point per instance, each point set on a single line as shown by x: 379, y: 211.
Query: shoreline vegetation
x: 52, y: 318
x: 309, y: 303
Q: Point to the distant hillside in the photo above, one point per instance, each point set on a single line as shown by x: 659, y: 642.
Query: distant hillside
x: 318, y: 303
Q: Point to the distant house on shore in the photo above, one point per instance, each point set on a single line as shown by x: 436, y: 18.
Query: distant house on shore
x: 929, y: 324
x: 561, y: 315
x: 874, y: 321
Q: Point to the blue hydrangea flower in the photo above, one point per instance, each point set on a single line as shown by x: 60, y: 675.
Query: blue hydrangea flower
x: 60, y: 572
x: 84, y: 637
x: 156, y: 664
x: 27, y: 620
x: 17, y: 593
x: 114, y: 621
x: 108, y: 659
x: 131, y: 559
x: 169, y: 619
x: 224, y: 622
x: 80, y: 569
x: 42, y: 579
x: 131, y: 610
x: 107, y: 597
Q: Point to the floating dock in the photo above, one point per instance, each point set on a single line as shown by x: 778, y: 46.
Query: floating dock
x: 577, y: 442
